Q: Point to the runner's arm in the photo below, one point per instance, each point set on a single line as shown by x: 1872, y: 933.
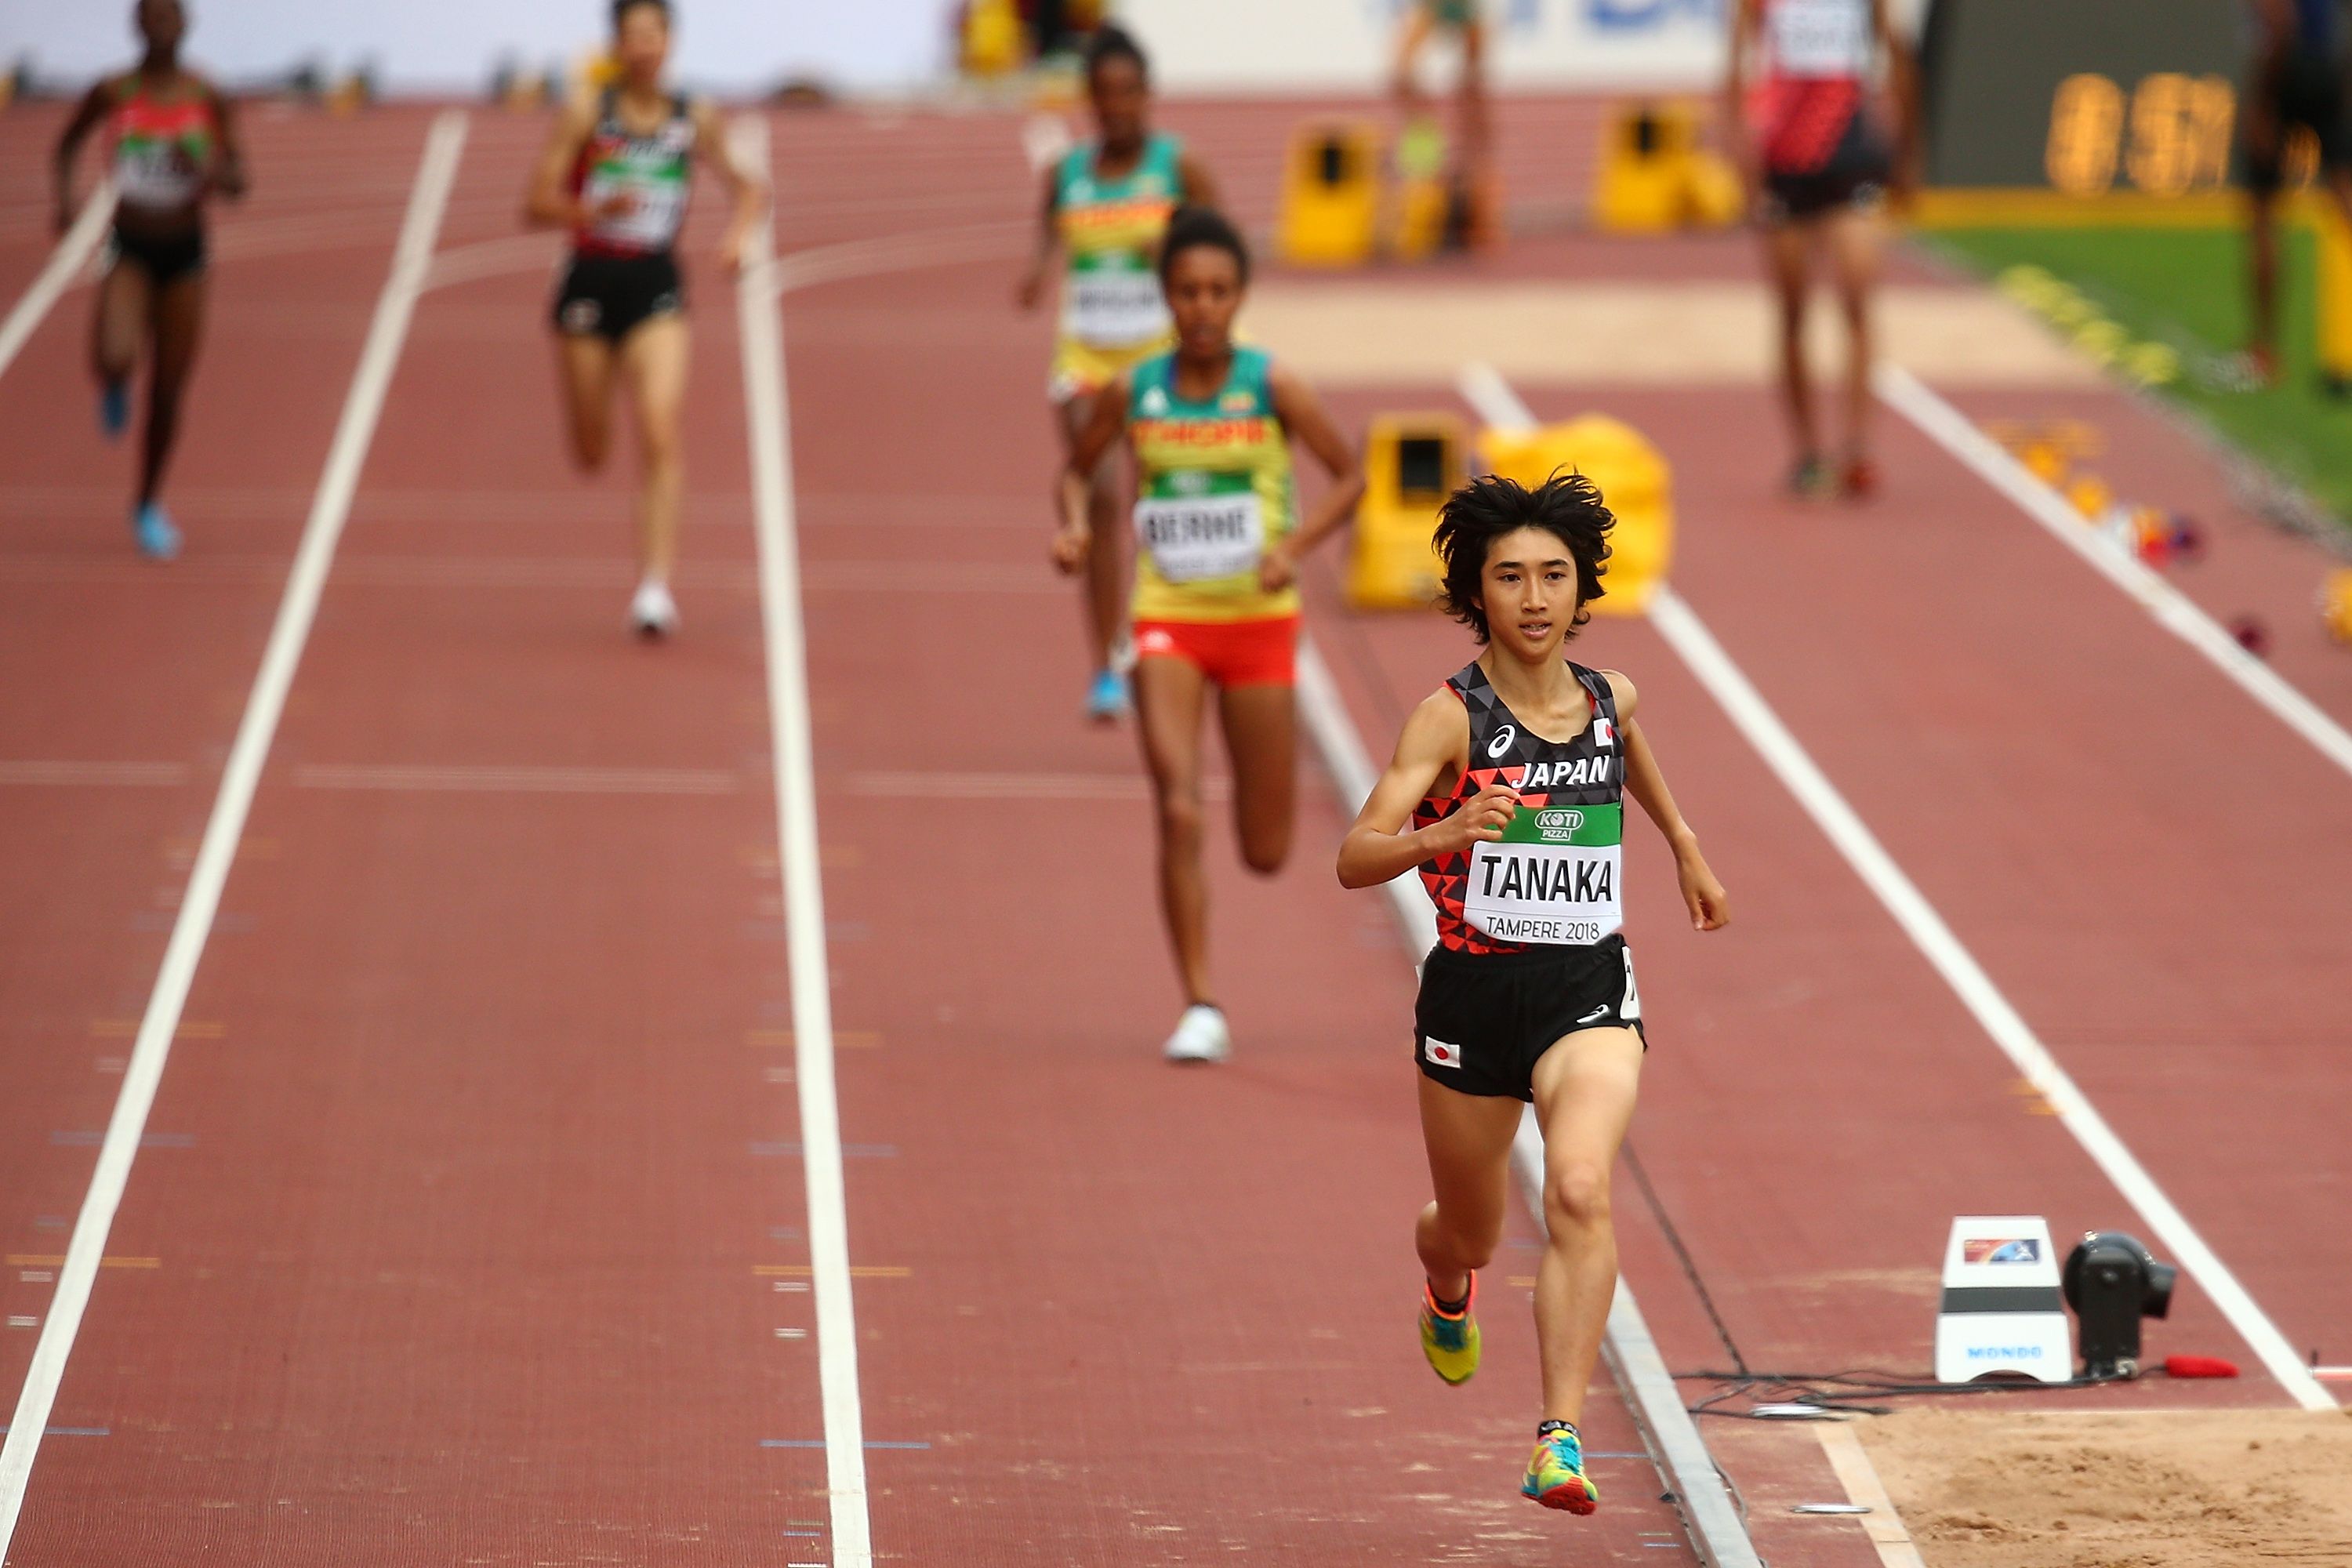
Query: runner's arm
x: 1105, y: 424
x: 228, y: 175
x: 1745, y: 16
x: 1903, y: 85
x: 1032, y: 287
x: 1200, y: 186
x: 1436, y: 742
x: 1302, y: 415
x: 1709, y: 905
x: 86, y: 117
x: 745, y: 189
x: 549, y: 204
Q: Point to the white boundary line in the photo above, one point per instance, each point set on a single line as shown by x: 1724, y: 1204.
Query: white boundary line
x: 770, y: 413
x: 2173, y: 610
x: 1755, y: 720
x: 66, y: 263
x: 1850, y: 1462
x: 1718, y: 1533
x: 296, y: 612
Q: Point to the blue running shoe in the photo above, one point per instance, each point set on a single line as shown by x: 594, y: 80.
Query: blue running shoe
x: 1106, y: 698
x: 158, y: 539
x: 114, y: 408
x: 1556, y: 1476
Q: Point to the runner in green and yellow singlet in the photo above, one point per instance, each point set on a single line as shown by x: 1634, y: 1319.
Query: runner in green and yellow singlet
x: 1219, y: 535
x: 175, y: 146
x: 1106, y: 206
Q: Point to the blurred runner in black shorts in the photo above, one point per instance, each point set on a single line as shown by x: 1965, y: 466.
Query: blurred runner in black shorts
x: 1819, y: 166
x: 2298, y: 82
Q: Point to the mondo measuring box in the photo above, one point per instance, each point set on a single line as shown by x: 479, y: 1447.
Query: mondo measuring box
x: 2002, y: 1310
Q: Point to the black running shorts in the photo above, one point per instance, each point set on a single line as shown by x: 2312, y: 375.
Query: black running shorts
x: 611, y: 296
x: 1854, y: 174
x: 165, y: 258
x: 1483, y: 1020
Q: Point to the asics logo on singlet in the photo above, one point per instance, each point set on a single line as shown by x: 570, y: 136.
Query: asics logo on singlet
x: 1580, y: 773
x: 1504, y: 739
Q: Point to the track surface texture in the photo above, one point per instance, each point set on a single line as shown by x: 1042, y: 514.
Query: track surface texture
x: 470, y: 1223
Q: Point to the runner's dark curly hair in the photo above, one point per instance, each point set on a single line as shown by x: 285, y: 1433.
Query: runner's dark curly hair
x: 1113, y: 42
x: 1191, y: 227
x: 621, y: 8
x: 1566, y: 506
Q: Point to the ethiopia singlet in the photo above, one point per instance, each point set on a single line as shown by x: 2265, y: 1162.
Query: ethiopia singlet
x: 1817, y: 56
x: 1213, y: 489
x: 1553, y: 877
x: 1110, y: 232
x: 161, y: 149
x: 656, y: 171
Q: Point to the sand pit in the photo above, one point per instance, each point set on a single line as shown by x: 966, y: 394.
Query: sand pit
x: 1621, y: 333
x: 2011, y: 1489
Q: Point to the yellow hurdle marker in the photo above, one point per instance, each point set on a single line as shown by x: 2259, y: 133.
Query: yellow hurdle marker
x: 1634, y: 483
x: 1411, y: 463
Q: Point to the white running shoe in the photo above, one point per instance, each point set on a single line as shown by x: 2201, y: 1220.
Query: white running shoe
x: 653, y: 613
x: 1201, y: 1036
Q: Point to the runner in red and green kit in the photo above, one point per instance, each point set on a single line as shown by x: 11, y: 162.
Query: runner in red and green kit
x: 1506, y: 793
x: 174, y: 146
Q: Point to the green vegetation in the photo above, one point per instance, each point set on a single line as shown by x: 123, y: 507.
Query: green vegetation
x: 2186, y: 288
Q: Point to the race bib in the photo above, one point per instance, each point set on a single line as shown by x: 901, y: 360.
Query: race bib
x: 1198, y: 525
x: 1113, y: 304
x: 1551, y: 879
x: 651, y: 222
x: 155, y: 174
x: 1820, y: 37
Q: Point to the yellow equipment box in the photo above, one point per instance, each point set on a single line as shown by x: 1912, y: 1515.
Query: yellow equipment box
x: 992, y: 37
x: 1654, y: 175
x: 1411, y: 463
x: 1330, y: 196
x: 1633, y: 482
x: 2335, y: 295
x: 2335, y: 603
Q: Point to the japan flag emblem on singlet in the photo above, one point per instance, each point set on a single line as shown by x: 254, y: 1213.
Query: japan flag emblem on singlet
x: 1604, y: 733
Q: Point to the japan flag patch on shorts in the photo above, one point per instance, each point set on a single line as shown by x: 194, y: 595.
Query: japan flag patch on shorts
x: 1439, y: 1054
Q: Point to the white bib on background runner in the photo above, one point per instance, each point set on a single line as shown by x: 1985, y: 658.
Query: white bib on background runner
x: 1818, y: 37
x: 1113, y: 302
x: 1199, y: 523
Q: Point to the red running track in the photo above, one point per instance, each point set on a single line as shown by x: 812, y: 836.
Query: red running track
x: 473, y: 1204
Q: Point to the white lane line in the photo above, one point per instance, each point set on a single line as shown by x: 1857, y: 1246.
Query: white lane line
x: 1839, y: 822
x: 769, y: 411
x: 2171, y: 609
x: 1718, y: 1535
x: 43, y: 771
x: 214, y: 855
x: 1850, y: 1462
x: 67, y: 263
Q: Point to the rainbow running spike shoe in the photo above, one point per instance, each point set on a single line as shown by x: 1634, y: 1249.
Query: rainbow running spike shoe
x: 1451, y: 1343
x: 1556, y: 1476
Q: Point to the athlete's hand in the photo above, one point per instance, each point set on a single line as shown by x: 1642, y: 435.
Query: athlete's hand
x: 1031, y: 290
x: 730, y: 254
x: 1071, y: 547
x: 620, y: 204
x: 1478, y: 820
x: 1709, y: 905
x: 1277, y: 569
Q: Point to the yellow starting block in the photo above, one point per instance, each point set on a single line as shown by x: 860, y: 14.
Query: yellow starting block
x: 2335, y: 603
x: 1330, y: 212
x: 1654, y: 175
x: 1632, y: 479
x: 1411, y: 463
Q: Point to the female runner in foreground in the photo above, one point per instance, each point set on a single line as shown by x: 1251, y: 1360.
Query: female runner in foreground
x: 1106, y: 205
x: 1219, y: 539
x: 1818, y: 168
x: 175, y: 145
x: 617, y: 173
x: 1512, y: 778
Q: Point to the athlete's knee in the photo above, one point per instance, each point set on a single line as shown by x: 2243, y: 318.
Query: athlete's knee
x: 1180, y: 817
x: 1576, y: 1194
x: 1267, y: 850
x: 592, y: 443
